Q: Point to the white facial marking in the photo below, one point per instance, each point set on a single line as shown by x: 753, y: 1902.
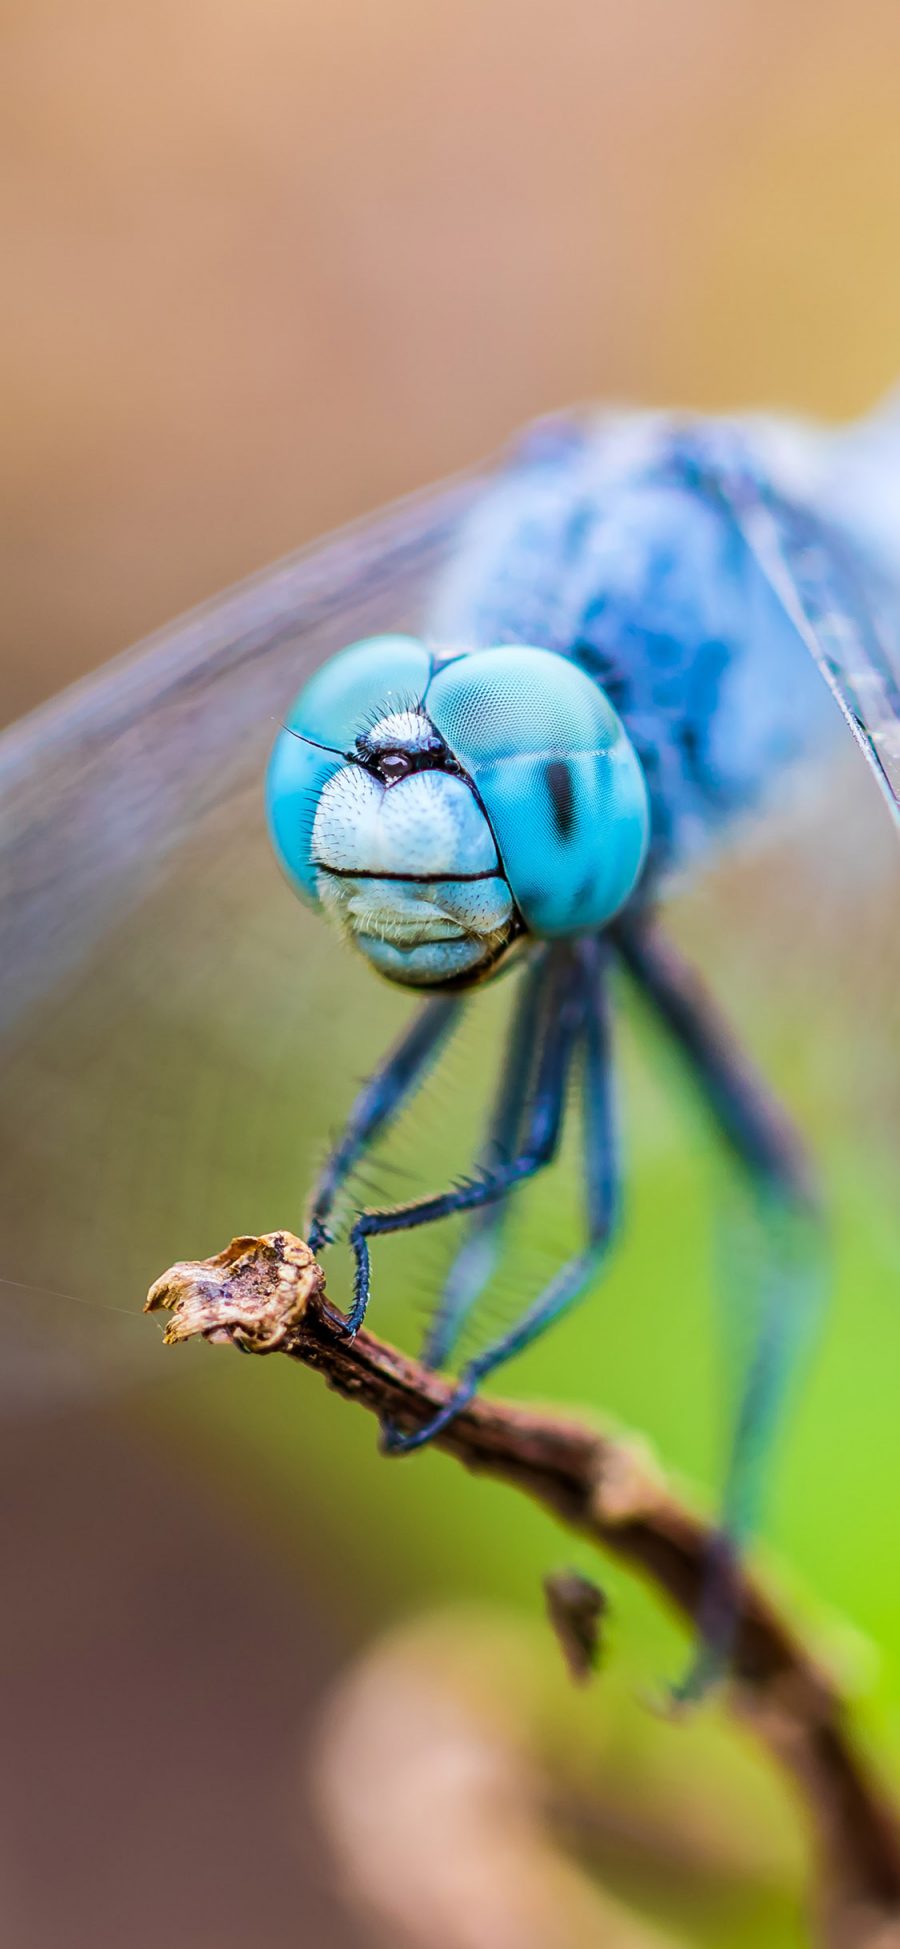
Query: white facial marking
x: 408, y: 868
x: 403, y: 730
x: 429, y: 823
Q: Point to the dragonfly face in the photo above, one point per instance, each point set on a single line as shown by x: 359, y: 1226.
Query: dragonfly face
x: 437, y: 808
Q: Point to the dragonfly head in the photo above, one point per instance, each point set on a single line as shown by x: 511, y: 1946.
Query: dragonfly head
x: 440, y: 808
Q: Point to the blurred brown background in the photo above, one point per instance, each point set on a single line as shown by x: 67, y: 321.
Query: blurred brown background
x: 270, y: 263
x: 266, y: 265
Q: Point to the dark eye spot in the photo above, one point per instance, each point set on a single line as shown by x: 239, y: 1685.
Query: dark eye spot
x: 562, y: 797
x: 393, y: 765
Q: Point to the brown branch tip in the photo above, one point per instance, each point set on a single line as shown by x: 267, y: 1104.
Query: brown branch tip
x: 267, y: 1295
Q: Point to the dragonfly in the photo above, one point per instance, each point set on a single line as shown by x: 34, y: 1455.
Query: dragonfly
x: 501, y: 731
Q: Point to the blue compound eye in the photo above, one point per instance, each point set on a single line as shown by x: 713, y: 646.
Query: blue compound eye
x: 558, y: 776
x: 381, y: 674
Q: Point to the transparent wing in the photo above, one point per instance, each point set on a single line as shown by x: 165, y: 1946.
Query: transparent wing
x: 839, y: 604
x: 100, y: 789
x: 802, y: 941
x: 841, y: 620
x: 163, y: 997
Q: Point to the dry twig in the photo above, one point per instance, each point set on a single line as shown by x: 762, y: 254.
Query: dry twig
x: 267, y: 1295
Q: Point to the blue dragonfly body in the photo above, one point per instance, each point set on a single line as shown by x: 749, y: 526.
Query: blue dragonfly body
x: 632, y: 558
x: 625, y: 638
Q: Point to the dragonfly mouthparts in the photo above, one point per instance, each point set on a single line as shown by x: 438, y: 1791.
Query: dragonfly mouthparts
x: 421, y: 932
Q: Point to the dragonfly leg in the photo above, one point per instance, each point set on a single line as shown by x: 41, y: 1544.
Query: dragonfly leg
x: 786, y: 1282
x: 379, y: 1101
x: 574, y: 1278
x: 475, y: 1261
x: 555, y: 1032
